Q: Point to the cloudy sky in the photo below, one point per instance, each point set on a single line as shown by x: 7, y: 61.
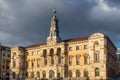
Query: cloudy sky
x: 26, y: 22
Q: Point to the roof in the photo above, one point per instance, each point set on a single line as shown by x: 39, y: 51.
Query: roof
x: 35, y: 45
x: 4, y: 47
x: 67, y: 40
x: 76, y: 39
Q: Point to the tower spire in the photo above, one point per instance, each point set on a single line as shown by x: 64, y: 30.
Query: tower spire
x: 54, y: 31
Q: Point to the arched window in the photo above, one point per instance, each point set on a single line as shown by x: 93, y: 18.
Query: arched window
x: 96, y: 44
x: 59, y: 56
x: 77, y: 73
x: 44, y: 53
x: 97, y: 72
x: 51, y: 54
x: 51, y: 51
x: 14, y: 75
x: 44, y: 74
x: 38, y: 75
x: 70, y: 73
x: 85, y: 73
x: 58, y: 51
x: 45, y: 56
x: 51, y: 74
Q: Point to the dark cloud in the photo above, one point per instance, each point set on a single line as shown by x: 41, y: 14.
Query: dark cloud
x: 114, y: 2
x: 25, y: 22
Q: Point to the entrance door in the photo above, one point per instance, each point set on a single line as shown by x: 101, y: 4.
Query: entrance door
x: 51, y: 75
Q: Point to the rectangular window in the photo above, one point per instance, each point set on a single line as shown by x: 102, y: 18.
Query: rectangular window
x: 77, y: 60
x: 32, y: 75
x: 38, y: 52
x: 7, y: 62
x: 45, y: 61
x: 26, y: 74
x: 70, y: 48
x: 77, y: 47
x: 38, y: 63
x: 3, y: 66
x: 7, y: 67
x: 70, y: 60
x: 118, y: 56
x: 52, y: 60
x: 8, y: 55
x: 85, y: 47
x: 96, y: 57
x: 3, y: 60
x: 59, y: 59
x: 32, y: 63
x: 26, y: 64
x: 85, y: 59
x: 33, y: 53
x: 3, y: 54
x: 14, y: 64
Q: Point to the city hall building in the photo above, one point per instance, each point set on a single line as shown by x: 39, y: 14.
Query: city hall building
x: 92, y: 57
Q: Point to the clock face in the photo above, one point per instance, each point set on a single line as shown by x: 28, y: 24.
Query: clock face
x: 51, y: 41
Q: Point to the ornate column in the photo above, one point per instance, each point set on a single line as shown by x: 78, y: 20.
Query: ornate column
x: 47, y: 74
x: 55, y: 59
x: 48, y: 60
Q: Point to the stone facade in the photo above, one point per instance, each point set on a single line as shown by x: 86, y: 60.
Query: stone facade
x: 92, y: 57
x: 118, y: 62
x: 4, y: 62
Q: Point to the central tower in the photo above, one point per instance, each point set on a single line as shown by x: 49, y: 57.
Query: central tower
x: 53, y: 37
